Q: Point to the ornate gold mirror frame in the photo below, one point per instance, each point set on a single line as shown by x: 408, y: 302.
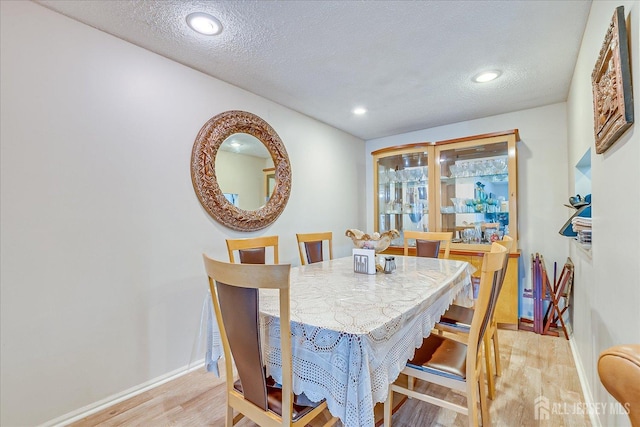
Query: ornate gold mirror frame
x: 203, y: 170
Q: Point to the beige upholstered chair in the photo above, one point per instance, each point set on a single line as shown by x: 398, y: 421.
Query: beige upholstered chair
x: 313, y: 248
x: 457, y: 319
x: 619, y: 371
x: 253, y: 250
x: 234, y: 289
x: 450, y: 363
x: 428, y: 237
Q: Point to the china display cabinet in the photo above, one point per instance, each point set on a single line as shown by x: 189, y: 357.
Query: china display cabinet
x: 401, y: 180
x: 476, y: 191
x: 467, y: 186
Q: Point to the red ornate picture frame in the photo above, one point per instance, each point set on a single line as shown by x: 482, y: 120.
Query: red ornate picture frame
x: 611, y: 83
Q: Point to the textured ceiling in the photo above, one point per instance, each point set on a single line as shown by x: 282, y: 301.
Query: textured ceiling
x: 409, y: 63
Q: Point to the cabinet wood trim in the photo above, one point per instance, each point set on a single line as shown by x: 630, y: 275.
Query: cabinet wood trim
x: 480, y: 253
x: 482, y: 136
x: 402, y: 147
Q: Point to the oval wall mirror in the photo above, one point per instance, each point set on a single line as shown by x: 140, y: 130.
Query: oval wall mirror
x: 228, y: 171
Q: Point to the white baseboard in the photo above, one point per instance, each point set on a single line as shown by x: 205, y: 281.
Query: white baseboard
x: 586, y: 389
x: 98, y: 406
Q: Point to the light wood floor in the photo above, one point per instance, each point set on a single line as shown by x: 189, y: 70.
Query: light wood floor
x: 533, y: 366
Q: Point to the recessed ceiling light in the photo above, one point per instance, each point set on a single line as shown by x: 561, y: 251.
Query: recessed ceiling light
x: 486, y: 76
x: 359, y: 111
x: 204, y: 23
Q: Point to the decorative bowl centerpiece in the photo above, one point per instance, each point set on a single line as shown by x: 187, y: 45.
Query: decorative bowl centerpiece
x: 376, y: 241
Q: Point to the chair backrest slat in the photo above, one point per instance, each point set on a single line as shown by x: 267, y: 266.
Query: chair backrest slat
x: 444, y: 237
x: 313, y: 251
x: 252, y: 250
x: 239, y: 309
x: 253, y: 256
x: 313, y: 246
x: 427, y: 248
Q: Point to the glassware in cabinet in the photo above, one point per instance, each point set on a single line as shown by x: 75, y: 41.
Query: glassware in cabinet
x: 476, y: 191
x: 401, y: 182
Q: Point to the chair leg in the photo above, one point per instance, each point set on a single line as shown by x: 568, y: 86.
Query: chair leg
x: 472, y: 401
x: 484, y: 405
x: 228, y: 422
x: 496, y: 352
x: 491, y: 385
x: 388, y: 404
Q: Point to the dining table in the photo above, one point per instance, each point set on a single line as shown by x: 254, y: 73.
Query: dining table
x: 353, y: 333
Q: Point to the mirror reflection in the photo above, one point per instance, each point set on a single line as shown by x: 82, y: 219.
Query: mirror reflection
x: 242, y: 164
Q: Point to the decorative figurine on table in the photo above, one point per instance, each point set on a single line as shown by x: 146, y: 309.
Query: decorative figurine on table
x: 377, y: 241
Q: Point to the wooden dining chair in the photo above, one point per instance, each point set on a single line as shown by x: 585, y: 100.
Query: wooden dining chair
x: 428, y: 242
x: 252, y: 250
x: 313, y: 247
x: 450, y: 363
x: 457, y: 320
x: 234, y: 290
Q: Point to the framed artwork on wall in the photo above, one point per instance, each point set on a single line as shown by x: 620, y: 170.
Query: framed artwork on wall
x: 611, y: 83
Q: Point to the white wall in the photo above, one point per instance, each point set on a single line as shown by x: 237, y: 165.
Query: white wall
x: 101, y: 278
x: 607, y: 291
x: 542, y: 177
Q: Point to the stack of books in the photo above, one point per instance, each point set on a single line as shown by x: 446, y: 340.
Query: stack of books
x: 582, y: 226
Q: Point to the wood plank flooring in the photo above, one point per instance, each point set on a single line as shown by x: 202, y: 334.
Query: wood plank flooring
x: 533, y: 366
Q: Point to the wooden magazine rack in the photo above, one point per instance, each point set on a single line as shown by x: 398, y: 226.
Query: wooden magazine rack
x: 549, y: 321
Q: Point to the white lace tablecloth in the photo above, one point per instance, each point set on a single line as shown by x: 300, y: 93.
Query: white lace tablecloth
x: 353, y: 333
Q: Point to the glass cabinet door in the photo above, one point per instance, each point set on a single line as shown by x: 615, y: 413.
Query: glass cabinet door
x: 401, y: 179
x: 477, y: 190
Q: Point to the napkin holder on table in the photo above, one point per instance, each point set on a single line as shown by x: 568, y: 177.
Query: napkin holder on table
x: 364, y: 261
